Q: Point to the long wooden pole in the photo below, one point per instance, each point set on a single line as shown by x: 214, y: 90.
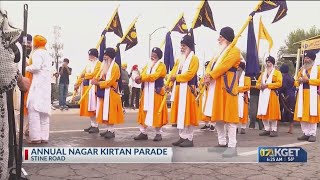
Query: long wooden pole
x: 97, y: 76
x: 297, y: 63
x: 233, y: 43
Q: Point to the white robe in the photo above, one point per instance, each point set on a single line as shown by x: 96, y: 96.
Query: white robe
x: 40, y: 90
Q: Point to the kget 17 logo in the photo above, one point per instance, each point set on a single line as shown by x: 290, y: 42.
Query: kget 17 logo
x: 282, y: 154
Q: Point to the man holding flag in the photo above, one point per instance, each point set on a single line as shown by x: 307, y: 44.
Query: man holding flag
x: 152, y: 95
x: 88, y: 105
x: 107, y: 91
x: 222, y: 99
x: 184, y: 106
x: 269, y: 106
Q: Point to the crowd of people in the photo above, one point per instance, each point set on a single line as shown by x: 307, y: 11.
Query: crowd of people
x: 265, y: 99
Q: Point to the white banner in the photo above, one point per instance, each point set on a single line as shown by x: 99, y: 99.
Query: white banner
x: 97, y: 155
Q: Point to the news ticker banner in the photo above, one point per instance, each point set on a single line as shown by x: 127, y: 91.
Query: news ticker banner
x: 282, y: 154
x: 160, y: 155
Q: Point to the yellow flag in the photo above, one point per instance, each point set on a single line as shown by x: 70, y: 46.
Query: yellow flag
x: 263, y: 34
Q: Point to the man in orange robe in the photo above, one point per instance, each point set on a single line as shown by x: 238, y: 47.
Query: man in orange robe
x: 307, y: 109
x: 269, y: 105
x: 88, y: 105
x: 109, y: 106
x: 243, y: 97
x: 209, y: 126
x: 152, y: 95
x: 184, y: 80
x: 222, y: 100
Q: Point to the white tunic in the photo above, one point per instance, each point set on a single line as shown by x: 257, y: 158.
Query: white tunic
x: 40, y: 90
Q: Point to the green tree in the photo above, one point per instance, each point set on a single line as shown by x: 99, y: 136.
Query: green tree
x: 291, y: 48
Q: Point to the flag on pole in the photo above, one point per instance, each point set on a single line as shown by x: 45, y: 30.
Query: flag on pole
x: 181, y: 26
x: 168, y: 53
x: 131, y: 38
x: 252, y: 60
x: 115, y: 25
x: 268, y: 5
x: 205, y: 17
x: 263, y: 34
x: 282, y: 11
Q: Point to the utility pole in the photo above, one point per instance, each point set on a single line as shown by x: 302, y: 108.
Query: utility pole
x: 56, y: 47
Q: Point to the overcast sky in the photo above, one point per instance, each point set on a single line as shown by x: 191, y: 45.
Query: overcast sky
x: 82, y: 23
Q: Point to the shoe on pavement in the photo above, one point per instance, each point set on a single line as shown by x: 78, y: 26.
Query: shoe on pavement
x: 186, y: 143
x: 265, y: 133
x: 66, y: 107
x: 218, y: 148
x: 212, y: 128
x: 174, y: 125
x: 205, y: 127
x: 303, y: 138
x: 158, y: 137
x: 273, y: 134
x: 141, y: 136
x: 251, y: 126
x: 242, y: 131
x: 87, y: 129
x: 177, y: 143
x: 312, y: 139
x: 109, y: 135
x: 93, y: 130
x: 103, y: 133
x: 53, y: 108
x: 230, y: 152
x: 61, y: 108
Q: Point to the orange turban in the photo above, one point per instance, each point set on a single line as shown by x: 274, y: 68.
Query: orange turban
x: 39, y: 41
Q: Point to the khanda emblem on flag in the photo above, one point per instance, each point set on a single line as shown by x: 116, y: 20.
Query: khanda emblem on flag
x: 131, y: 38
x: 268, y: 5
x: 181, y: 26
x: 205, y: 17
x: 116, y: 25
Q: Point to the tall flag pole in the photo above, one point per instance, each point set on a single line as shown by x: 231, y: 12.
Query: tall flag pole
x: 107, y: 28
x: 179, y: 26
x: 203, y: 17
x: 128, y: 39
x: 114, y: 25
x: 262, y: 6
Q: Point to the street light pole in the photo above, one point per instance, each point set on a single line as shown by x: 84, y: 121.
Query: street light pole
x: 150, y: 39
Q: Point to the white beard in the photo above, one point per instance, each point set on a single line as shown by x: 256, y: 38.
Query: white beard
x: 182, y: 59
x: 308, y: 66
x: 220, y: 49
